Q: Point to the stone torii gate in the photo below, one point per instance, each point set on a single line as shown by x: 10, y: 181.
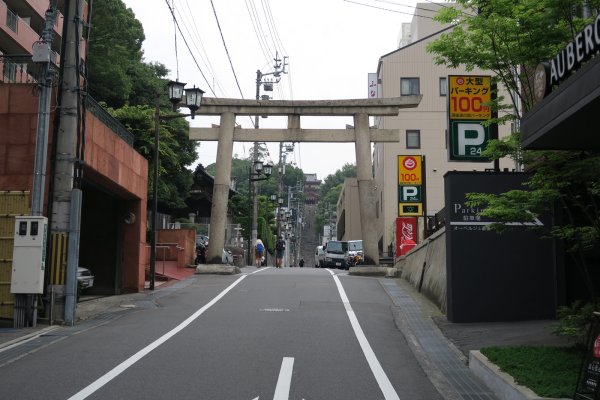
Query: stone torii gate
x: 362, y: 135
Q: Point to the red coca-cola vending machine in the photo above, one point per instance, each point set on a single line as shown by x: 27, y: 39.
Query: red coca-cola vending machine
x: 406, y: 234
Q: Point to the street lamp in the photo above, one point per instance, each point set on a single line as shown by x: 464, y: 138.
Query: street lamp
x: 193, y: 100
x: 261, y: 172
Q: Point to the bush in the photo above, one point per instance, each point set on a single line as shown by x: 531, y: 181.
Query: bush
x: 574, y: 322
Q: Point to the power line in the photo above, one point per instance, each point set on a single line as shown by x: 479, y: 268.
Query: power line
x: 254, y: 18
x: 190, y: 50
x: 198, y: 40
x: 226, y: 50
x: 387, y: 9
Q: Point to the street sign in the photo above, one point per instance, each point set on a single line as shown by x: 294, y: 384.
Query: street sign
x: 409, y: 194
x: 467, y: 140
x: 409, y: 170
x: 469, y: 97
x: 411, y: 190
x: 410, y: 209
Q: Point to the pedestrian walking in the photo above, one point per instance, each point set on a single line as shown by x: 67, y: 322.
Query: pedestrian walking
x: 279, y: 250
x: 259, y: 248
x: 301, y: 263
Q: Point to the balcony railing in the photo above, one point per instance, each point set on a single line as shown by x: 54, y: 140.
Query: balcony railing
x: 12, y: 20
x: 108, y: 120
x: 19, y: 69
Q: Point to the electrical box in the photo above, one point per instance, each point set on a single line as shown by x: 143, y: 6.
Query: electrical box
x: 29, y: 255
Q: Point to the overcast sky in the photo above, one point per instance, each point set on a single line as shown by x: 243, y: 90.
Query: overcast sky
x: 332, y: 45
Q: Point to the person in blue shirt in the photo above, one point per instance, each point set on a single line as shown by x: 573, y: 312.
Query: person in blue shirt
x: 259, y: 249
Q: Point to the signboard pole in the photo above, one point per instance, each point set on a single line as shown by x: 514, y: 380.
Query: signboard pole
x: 424, y: 196
x: 494, y: 127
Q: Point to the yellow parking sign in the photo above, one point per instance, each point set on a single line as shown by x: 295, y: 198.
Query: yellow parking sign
x: 409, y: 170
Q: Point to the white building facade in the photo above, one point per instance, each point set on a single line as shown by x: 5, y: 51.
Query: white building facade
x: 423, y: 130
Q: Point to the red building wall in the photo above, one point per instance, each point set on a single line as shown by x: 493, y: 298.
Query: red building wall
x: 109, y: 162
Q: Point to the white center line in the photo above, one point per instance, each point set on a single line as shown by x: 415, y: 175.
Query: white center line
x: 282, y: 390
x: 382, y: 380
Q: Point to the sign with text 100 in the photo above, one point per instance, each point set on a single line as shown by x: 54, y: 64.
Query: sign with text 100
x: 410, y: 182
x: 469, y: 97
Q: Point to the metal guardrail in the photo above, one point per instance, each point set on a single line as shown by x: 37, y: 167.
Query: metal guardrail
x: 95, y: 108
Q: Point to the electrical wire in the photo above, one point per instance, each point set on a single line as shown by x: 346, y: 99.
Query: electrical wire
x: 258, y: 30
x: 197, y: 39
x: 387, y: 9
x: 226, y: 50
x: 190, y: 50
x: 175, y: 38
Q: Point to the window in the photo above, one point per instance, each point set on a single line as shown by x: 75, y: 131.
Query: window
x: 413, y: 139
x: 409, y: 86
x: 443, y: 86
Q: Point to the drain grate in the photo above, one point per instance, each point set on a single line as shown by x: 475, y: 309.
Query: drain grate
x: 435, y: 346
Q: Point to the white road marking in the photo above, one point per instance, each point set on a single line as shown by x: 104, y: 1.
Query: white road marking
x: 282, y: 390
x: 112, y: 374
x: 382, y: 380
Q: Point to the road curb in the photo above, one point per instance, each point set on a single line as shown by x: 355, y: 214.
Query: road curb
x: 500, y: 382
x: 28, y: 336
x: 217, y: 269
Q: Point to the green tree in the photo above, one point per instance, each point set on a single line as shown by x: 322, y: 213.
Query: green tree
x: 510, y: 37
x: 330, y: 192
x: 175, y: 152
x: 114, y: 52
x: 119, y: 78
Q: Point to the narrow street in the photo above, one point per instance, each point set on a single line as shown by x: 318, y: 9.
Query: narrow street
x: 265, y: 334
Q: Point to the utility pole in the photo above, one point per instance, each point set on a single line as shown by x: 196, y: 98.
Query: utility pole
x: 278, y: 69
x: 66, y: 201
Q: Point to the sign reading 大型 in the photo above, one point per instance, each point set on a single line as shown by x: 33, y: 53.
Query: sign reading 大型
x: 469, y: 97
x: 410, y: 186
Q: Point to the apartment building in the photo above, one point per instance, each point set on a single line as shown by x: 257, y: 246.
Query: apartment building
x: 114, y: 175
x: 408, y: 70
x: 21, y: 26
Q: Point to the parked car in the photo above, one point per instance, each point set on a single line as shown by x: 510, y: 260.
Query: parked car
x: 85, y: 279
x: 319, y: 257
x: 335, y: 254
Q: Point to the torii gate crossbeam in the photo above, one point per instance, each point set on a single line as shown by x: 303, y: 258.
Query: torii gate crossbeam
x: 362, y: 135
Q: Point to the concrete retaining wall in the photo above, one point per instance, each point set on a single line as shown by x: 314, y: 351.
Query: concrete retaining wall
x: 430, y: 257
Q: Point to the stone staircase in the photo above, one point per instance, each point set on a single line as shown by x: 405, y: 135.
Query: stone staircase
x: 310, y: 239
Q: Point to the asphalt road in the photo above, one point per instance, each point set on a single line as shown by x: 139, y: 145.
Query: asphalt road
x: 273, y: 334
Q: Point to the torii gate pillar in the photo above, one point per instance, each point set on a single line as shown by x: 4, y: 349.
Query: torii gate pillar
x: 218, y: 211
x: 366, y: 189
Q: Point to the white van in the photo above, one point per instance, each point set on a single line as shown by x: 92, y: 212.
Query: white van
x: 319, y: 257
x: 335, y: 254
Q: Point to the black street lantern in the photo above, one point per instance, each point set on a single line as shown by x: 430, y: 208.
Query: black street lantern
x: 258, y: 166
x: 176, y: 93
x: 193, y: 98
x: 268, y: 169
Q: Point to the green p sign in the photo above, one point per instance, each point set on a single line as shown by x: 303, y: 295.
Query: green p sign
x: 467, y: 140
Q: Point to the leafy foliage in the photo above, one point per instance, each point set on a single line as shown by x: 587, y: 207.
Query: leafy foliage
x: 114, y: 51
x: 574, y: 322
x: 120, y: 79
x: 329, y: 193
x: 510, y: 37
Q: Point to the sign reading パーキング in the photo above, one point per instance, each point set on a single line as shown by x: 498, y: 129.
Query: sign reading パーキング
x: 469, y: 97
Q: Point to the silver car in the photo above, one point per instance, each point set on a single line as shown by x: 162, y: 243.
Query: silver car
x: 85, y: 279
